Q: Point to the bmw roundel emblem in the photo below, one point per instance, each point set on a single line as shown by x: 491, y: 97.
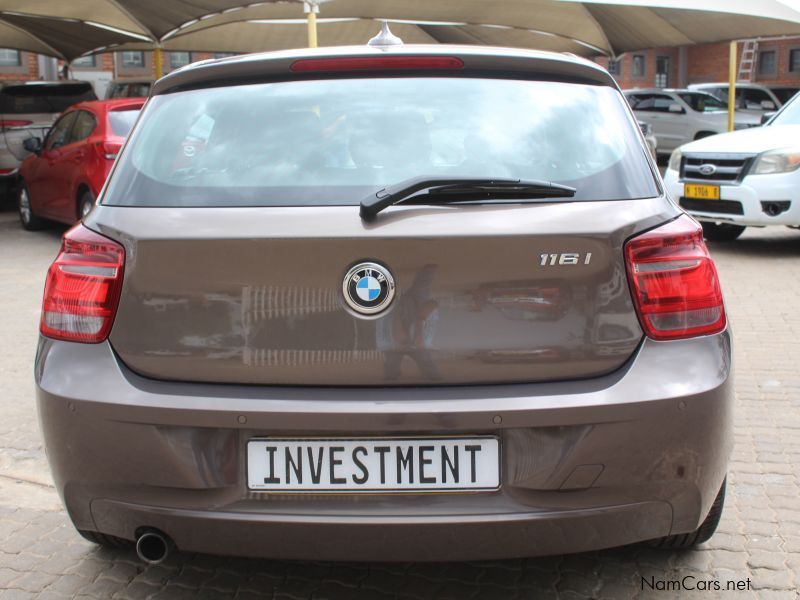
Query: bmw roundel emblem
x: 368, y: 288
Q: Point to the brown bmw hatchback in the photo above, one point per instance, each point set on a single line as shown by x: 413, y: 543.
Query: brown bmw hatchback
x: 386, y: 303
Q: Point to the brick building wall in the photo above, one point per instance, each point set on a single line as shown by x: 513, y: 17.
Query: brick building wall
x: 99, y: 62
x: 652, y: 67
x: 27, y: 69
x: 709, y: 63
x: 139, y: 63
x: 640, y: 68
x: 784, y: 51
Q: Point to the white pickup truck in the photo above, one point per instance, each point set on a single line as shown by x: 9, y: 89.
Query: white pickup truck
x: 741, y: 179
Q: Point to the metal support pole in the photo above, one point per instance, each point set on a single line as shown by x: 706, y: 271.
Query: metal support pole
x: 158, y: 61
x: 732, y: 68
x: 312, y: 30
x: 311, y: 9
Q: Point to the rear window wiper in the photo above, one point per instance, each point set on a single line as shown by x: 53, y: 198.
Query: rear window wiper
x: 459, y: 189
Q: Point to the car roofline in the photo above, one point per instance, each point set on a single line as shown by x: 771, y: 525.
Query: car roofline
x: 251, y: 68
x: 41, y: 83
x: 109, y: 104
x: 133, y: 80
x: 739, y: 84
x: 48, y: 82
x: 662, y: 90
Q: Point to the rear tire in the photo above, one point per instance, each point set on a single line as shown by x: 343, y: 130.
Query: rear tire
x: 722, y: 232
x: 85, y: 204
x: 27, y: 217
x: 699, y: 535
x: 106, y: 541
x: 8, y: 193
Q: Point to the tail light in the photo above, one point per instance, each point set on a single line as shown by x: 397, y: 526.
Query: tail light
x: 109, y: 150
x: 6, y: 123
x: 83, y: 286
x: 674, y: 282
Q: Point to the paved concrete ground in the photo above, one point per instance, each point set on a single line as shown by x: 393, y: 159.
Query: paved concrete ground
x: 758, y: 540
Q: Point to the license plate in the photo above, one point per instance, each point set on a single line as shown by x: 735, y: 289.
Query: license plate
x: 376, y: 465
x: 702, y: 192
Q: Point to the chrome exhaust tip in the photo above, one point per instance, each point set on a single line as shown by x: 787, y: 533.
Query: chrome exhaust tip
x: 152, y: 546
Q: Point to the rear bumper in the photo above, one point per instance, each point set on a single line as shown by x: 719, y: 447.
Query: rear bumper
x: 395, y: 537
x: 9, y: 164
x: 9, y: 176
x: 634, y: 455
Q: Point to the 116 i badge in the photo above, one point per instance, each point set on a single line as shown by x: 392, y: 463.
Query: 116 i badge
x: 368, y: 288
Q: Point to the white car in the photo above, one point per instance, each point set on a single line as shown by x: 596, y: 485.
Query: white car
x: 741, y: 179
x: 28, y: 109
x: 680, y: 116
x: 749, y: 96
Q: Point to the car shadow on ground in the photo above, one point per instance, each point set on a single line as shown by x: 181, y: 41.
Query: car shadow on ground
x: 9, y: 223
x: 614, y: 573
x: 753, y: 243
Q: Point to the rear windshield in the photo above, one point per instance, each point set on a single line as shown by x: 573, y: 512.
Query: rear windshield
x: 333, y: 142
x: 121, y: 121
x: 35, y: 98
x: 130, y: 90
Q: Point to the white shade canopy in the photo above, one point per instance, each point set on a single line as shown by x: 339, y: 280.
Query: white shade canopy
x: 59, y: 37
x: 586, y: 27
x: 264, y: 35
x: 561, y: 25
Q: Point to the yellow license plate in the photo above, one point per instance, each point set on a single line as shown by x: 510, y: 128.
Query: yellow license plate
x: 702, y: 192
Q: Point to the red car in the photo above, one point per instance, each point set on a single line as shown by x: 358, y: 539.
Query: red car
x: 62, y: 177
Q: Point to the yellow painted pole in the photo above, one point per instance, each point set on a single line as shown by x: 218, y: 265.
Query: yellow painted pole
x: 158, y: 61
x: 312, y: 29
x: 732, y: 67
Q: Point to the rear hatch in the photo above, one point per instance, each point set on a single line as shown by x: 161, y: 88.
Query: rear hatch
x: 238, y: 210
x: 28, y: 110
x: 255, y: 295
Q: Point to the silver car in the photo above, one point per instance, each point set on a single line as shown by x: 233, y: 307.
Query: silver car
x: 386, y: 303
x: 679, y: 116
x: 27, y: 110
x: 749, y: 96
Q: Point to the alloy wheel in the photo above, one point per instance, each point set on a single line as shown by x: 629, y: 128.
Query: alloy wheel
x: 24, y: 206
x: 86, y: 206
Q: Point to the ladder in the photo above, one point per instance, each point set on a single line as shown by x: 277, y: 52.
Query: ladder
x: 747, y: 62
